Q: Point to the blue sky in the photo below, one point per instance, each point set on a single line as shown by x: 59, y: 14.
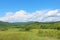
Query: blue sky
x: 27, y: 5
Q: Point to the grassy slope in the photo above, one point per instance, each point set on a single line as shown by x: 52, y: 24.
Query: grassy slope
x: 8, y: 32
x: 30, y: 35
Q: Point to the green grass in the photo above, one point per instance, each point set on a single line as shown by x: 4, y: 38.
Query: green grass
x: 34, y: 34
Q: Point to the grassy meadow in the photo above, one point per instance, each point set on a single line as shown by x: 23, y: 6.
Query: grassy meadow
x: 34, y: 34
x: 32, y: 31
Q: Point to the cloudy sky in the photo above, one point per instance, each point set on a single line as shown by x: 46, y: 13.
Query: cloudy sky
x: 29, y: 10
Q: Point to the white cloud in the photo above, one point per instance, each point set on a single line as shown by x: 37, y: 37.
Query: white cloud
x: 23, y: 16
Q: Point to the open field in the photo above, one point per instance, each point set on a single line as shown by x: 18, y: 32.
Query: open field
x: 33, y: 34
x: 30, y: 31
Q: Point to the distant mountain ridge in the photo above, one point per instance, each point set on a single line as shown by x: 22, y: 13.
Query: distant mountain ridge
x: 24, y: 23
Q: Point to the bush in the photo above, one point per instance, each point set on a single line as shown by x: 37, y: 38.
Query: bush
x: 21, y: 29
x: 27, y: 29
x: 58, y: 28
x: 4, y: 29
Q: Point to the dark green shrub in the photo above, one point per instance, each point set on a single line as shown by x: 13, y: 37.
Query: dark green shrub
x: 58, y: 28
x: 4, y: 29
x: 27, y: 29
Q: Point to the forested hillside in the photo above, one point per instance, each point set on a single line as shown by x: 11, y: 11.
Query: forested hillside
x: 31, y: 25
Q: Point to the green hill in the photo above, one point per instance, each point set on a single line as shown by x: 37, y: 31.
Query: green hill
x: 30, y: 31
x: 33, y: 25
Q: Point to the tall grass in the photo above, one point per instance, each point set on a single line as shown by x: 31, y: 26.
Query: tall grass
x: 52, y: 33
x: 33, y: 34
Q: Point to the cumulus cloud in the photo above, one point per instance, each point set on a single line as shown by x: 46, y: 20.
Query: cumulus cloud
x: 40, y: 16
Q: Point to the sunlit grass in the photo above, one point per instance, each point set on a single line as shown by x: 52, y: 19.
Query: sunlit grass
x: 34, y: 34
